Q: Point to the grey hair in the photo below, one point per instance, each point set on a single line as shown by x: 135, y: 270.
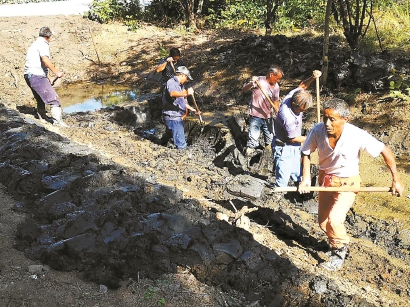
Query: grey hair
x: 302, y: 99
x: 45, y: 32
x: 276, y: 70
x: 339, y: 105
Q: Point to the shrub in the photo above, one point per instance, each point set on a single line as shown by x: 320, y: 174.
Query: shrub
x: 107, y: 10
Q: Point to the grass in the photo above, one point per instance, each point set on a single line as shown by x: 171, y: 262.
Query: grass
x: 393, y: 25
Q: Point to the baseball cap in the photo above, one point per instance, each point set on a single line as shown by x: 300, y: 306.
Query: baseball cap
x: 185, y: 71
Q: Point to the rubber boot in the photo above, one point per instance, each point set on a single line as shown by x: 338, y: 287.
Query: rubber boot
x: 42, y: 115
x: 56, y: 113
x: 336, y: 259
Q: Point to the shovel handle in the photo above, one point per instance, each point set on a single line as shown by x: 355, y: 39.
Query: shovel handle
x: 335, y: 189
x: 267, y: 97
x: 173, y: 67
x: 318, y: 100
x: 54, y: 81
x: 196, y: 107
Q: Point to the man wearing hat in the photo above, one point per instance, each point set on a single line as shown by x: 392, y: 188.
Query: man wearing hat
x: 175, y: 105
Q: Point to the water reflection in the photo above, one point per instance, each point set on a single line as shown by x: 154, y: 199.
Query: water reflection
x: 91, y: 97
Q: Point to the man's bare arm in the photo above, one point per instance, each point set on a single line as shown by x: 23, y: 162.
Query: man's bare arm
x: 397, y: 187
x: 50, y: 65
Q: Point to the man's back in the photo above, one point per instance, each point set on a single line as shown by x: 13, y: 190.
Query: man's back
x: 33, y: 64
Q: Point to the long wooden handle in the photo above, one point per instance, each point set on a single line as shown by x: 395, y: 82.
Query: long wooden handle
x: 173, y: 67
x: 196, y: 107
x: 266, y: 96
x: 335, y: 189
x: 318, y: 100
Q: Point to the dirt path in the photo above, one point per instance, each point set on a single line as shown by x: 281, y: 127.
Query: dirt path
x: 376, y: 274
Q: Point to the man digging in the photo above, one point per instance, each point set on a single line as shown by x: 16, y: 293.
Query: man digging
x: 264, y: 101
x: 339, y: 145
x: 38, y: 63
x: 175, y: 106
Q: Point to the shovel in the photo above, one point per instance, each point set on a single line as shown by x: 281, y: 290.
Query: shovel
x: 196, y: 107
x: 267, y: 97
x: 173, y: 67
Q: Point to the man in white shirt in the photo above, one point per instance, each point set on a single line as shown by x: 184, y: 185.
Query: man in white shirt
x: 38, y: 62
x: 339, y: 145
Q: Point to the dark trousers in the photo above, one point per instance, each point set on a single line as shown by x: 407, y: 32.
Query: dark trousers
x: 42, y: 90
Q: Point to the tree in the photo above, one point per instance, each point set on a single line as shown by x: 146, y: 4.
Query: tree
x: 353, y: 14
x: 325, y: 64
x: 189, y: 15
x: 271, y: 14
x: 200, y: 6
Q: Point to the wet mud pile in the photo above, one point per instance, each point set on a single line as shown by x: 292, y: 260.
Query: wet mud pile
x: 88, y: 214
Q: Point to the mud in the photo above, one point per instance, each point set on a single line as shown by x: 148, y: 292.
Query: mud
x: 108, y: 198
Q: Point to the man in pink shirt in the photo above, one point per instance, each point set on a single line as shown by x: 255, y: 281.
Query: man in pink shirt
x: 339, y: 145
x: 260, y: 109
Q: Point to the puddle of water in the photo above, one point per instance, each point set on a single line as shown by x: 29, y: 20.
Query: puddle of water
x: 85, y: 97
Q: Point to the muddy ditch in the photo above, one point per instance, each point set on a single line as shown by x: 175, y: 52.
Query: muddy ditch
x: 86, y: 213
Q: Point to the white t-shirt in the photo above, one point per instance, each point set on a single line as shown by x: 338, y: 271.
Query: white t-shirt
x: 343, y: 160
x: 34, y: 65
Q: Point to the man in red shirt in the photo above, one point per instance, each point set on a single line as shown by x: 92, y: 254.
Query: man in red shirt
x: 260, y: 109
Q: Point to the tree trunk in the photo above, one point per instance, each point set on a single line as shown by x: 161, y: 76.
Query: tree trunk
x: 353, y: 17
x: 200, y: 6
x: 271, y: 14
x: 325, y: 63
x: 269, y: 17
x: 189, y: 15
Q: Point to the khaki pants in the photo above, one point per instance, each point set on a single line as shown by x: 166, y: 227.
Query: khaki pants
x: 333, y: 207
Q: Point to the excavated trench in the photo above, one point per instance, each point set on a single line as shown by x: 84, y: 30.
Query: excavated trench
x: 86, y: 213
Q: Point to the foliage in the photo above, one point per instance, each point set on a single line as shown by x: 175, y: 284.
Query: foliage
x: 301, y: 12
x: 163, y: 52
x: 151, y: 294
x: 165, y: 12
x: 108, y: 10
x: 243, y: 14
x: 393, y: 26
x: 399, y: 85
x: 25, y: 1
x: 131, y: 23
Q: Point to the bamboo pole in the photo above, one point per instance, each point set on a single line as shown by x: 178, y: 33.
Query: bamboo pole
x: 335, y: 189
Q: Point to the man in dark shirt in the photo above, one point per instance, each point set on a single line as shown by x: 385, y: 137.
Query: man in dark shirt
x: 169, y: 65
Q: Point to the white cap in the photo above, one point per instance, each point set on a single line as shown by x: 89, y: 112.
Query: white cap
x: 185, y: 71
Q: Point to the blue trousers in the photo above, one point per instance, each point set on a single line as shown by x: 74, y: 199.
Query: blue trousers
x: 287, y: 164
x: 178, y: 134
x: 255, y: 126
